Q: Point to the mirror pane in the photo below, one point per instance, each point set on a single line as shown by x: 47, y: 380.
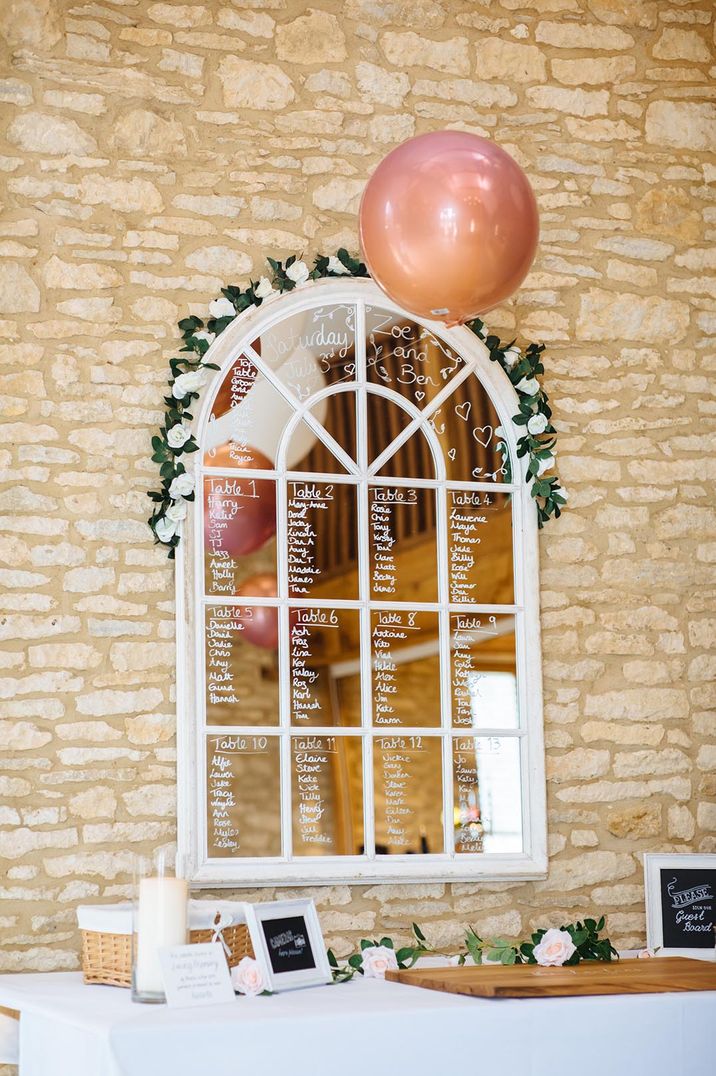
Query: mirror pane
x: 480, y: 547
x: 403, y: 552
x: 407, y: 778
x: 321, y: 540
x: 241, y: 663
x: 406, y: 668
x: 466, y: 425
x: 311, y: 349
x: 488, y: 794
x: 406, y: 357
x: 483, y: 671
x: 325, y: 649
x: 239, y: 516
x: 327, y: 790
x: 246, y: 421
x: 243, y: 798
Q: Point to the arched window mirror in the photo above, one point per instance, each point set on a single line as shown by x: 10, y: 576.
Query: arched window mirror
x: 359, y: 691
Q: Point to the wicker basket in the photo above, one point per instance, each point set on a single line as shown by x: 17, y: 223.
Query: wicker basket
x: 107, y: 957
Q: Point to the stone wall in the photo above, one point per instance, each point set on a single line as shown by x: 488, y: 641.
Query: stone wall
x: 152, y: 152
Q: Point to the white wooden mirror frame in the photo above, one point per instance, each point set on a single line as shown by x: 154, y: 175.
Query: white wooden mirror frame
x: 205, y: 872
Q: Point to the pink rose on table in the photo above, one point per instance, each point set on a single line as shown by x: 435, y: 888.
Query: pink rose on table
x: 247, y: 977
x: 555, y: 948
x: 377, y: 959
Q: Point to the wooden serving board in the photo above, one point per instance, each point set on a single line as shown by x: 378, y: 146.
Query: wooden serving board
x: 658, y: 975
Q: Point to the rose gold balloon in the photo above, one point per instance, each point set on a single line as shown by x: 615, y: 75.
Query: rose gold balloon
x: 448, y: 225
x: 260, y: 621
x: 255, y: 521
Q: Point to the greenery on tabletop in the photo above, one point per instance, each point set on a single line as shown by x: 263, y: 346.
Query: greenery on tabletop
x: 190, y: 370
x: 406, y: 956
x: 585, y: 938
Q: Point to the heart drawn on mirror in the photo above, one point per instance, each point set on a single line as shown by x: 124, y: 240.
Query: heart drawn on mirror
x: 479, y: 434
x: 452, y: 453
x: 350, y: 369
x: 419, y: 395
x: 463, y: 410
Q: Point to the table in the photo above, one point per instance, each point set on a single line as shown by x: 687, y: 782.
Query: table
x: 366, y: 1026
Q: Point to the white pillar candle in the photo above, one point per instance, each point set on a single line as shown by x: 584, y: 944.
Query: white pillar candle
x: 161, y: 920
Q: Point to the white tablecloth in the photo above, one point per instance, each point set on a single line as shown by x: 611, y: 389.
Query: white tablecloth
x: 364, y: 1027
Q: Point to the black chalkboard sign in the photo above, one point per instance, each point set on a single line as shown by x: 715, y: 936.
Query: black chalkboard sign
x: 288, y: 944
x: 688, y: 907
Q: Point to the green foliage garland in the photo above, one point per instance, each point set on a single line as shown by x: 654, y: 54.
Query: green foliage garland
x: 189, y: 371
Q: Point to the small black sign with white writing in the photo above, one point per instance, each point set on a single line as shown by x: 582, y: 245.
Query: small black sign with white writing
x: 289, y: 948
x: 688, y: 907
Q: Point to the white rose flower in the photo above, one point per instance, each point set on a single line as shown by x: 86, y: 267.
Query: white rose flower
x: 264, y: 288
x: 528, y: 385
x: 298, y: 272
x: 512, y: 356
x: 377, y: 959
x: 247, y: 977
x: 178, y: 435
x: 499, y: 432
x: 545, y: 465
x: 205, y: 335
x: 176, y: 511
x: 165, y: 529
x: 222, y: 308
x: 336, y: 266
x: 556, y: 947
x: 182, y: 486
x: 191, y: 381
x: 537, y: 424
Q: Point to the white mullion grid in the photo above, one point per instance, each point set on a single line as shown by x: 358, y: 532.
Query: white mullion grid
x: 377, y: 480
x: 365, y: 657
x: 355, y: 730
x: 518, y: 507
x: 284, y: 669
x: 352, y: 603
x: 200, y: 609
x: 444, y: 638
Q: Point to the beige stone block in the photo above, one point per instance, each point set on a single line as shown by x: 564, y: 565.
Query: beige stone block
x: 339, y: 195
x: 413, y: 50
x: 224, y: 261
x: 509, y: 61
x: 87, y: 731
x: 578, y: 35
x: 615, y: 732
x: 39, y: 132
x: 634, y: 823
x: 103, y: 703
x: 680, y: 823
x: 681, y: 124
x: 16, y: 843
x: 250, y: 84
x: 706, y: 758
x: 589, y: 868
x: 150, y: 728
x: 383, y: 87
x: 18, y: 291
x: 593, y: 71
x: 33, y: 24
x: 124, y: 195
x: 151, y: 800
x: 22, y: 736
x: 96, y: 802
x: 577, y: 102
x: 630, y: 316
x: 140, y: 657
x: 82, y: 276
x: 677, y: 44
x: 180, y: 15
x: 314, y: 38
x: 144, y: 133
x: 610, y: 791
x: 582, y: 763
x: 706, y: 816
x: 584, y: 838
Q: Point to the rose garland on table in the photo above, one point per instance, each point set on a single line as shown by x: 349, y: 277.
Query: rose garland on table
x: 189, y: 372
x: 550, y: 947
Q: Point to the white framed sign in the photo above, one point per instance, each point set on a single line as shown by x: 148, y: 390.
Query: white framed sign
x: 288, y: 944
x: 681, y: 904
x: 359, y: 672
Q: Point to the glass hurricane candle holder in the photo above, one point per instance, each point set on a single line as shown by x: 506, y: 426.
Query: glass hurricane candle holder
x: 159, y: 919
